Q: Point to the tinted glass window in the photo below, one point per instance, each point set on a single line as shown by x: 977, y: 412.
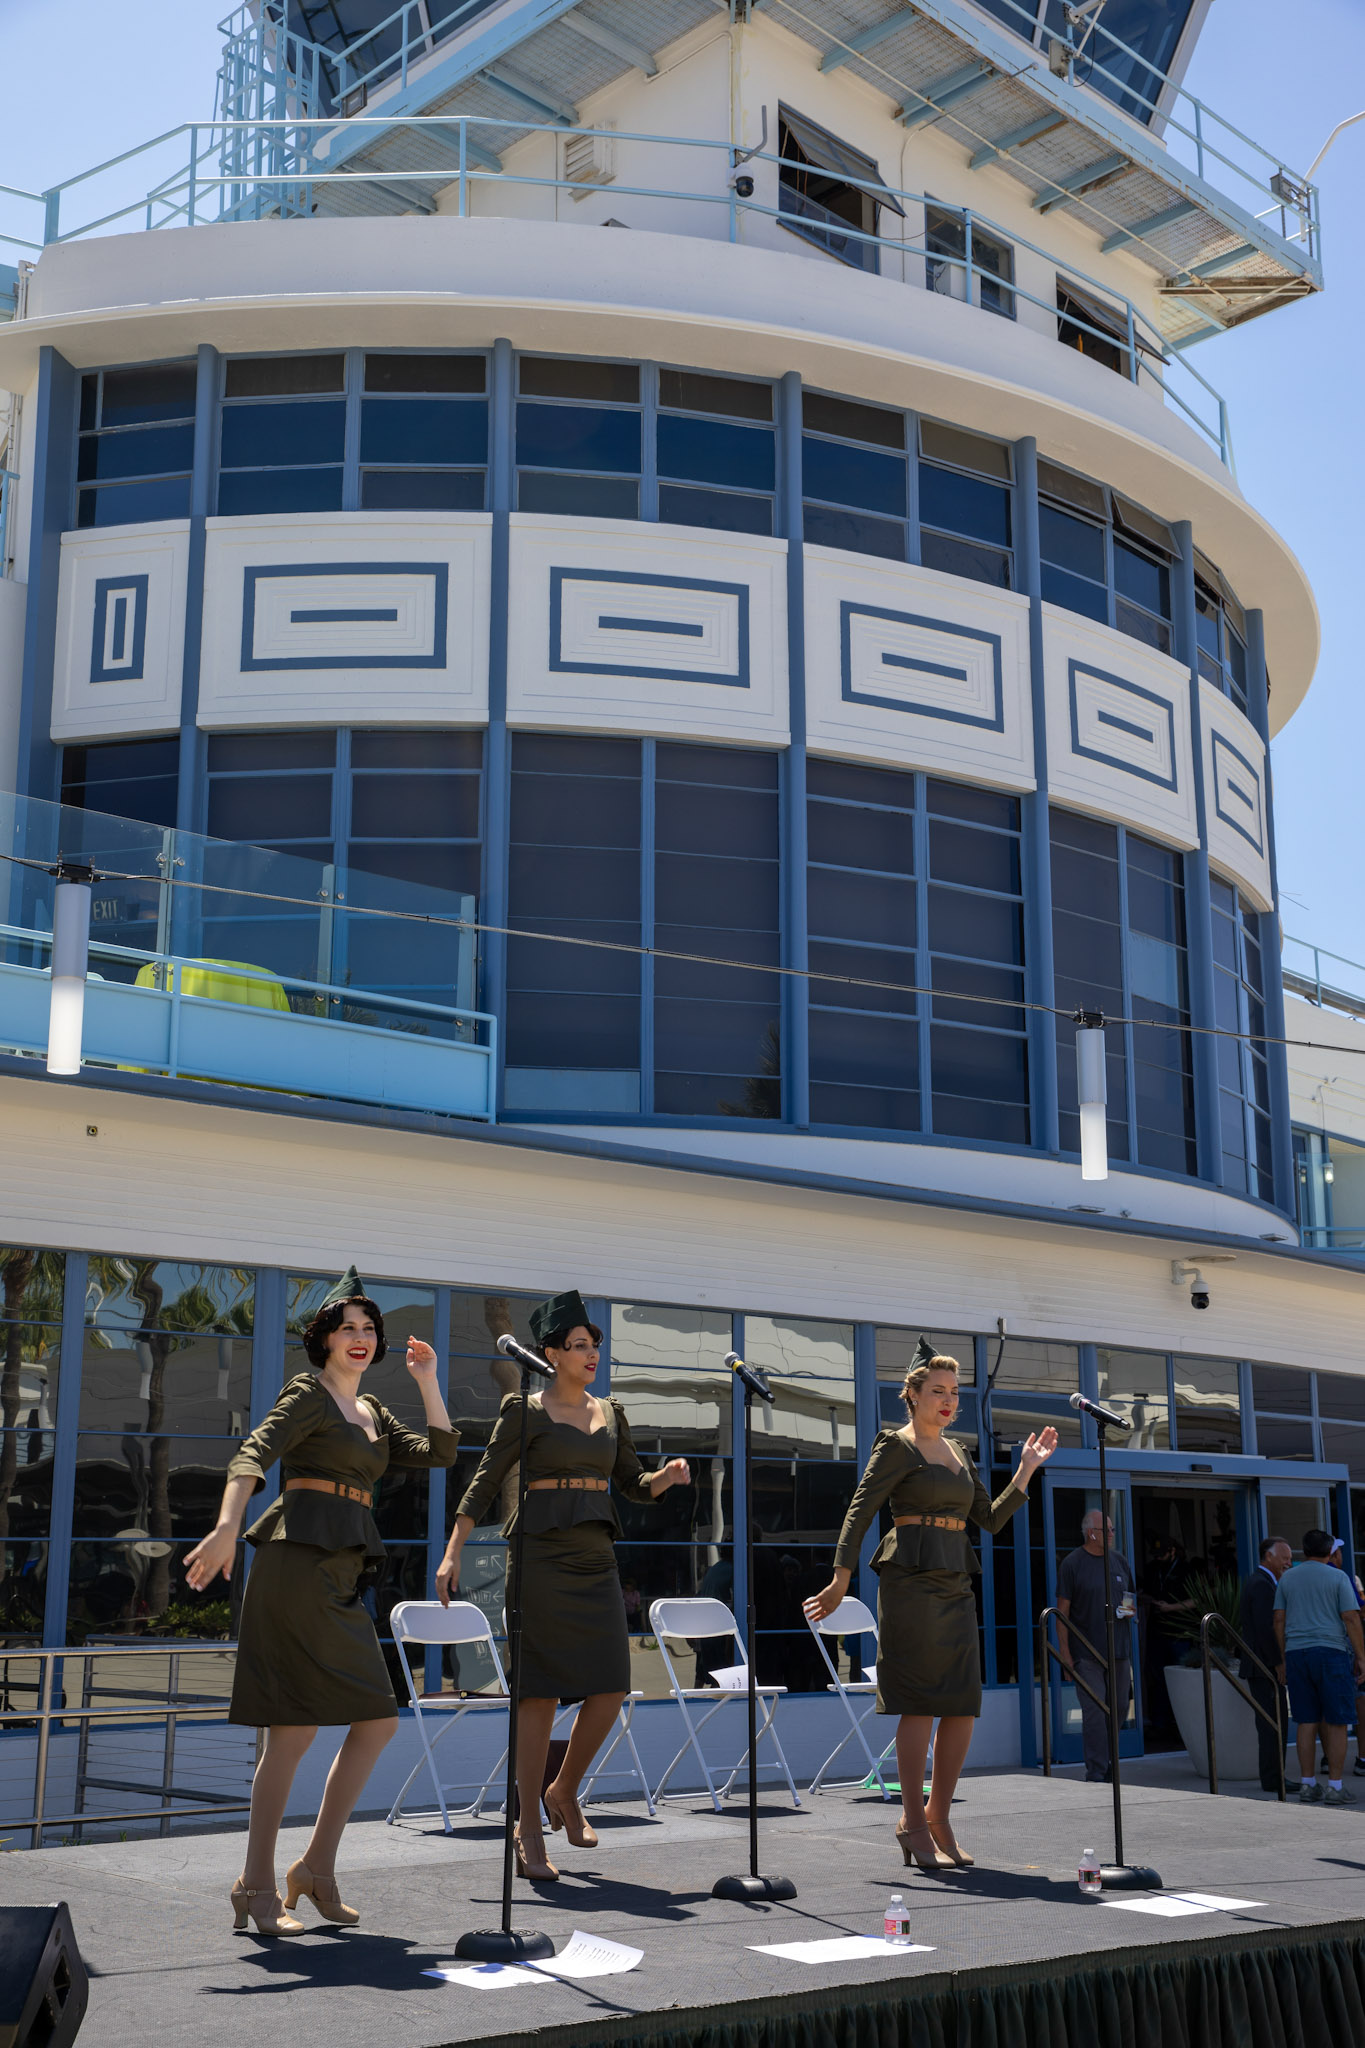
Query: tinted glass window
x: 427, y: 431
x: 282, y: 376
x: 691, y: 391
x: 425, y: 373
x: 715, y: 453
x: 853, y: 476
x: 137, y: 439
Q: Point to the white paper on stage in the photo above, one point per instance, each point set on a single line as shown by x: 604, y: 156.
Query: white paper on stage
x: 486, y: 1976
x: 1180, y: 1905
x: 734, y: 1678
x: 841, y: 1948
x: 590, y: 1955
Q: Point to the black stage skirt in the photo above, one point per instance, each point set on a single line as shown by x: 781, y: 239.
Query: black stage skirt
x: 928, y: 1658
x: 574, y: 1639
x: 307, y: 1651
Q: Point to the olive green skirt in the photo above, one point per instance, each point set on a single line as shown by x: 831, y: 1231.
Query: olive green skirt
x: 307, y: 1651
x: 573, y: 1640
x: 928, y: 1656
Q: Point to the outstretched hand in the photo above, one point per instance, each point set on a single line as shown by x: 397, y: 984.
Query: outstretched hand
x: 1037, y: 1451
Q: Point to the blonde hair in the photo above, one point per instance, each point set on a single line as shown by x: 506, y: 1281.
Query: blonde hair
x: 916, y: 1377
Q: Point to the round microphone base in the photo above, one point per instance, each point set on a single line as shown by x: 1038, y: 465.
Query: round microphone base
x: 750, y: 1890
x: 1129, y: 1877
x: 497, y: 1945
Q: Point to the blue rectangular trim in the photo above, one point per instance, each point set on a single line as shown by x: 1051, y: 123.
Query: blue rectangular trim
x: 440, y: 577
x: 738, y: 679
x: 1162, y: 704
x: 1223, y: 778
x: 113, y: 593
x: 344, y: 617
x: 848, y: 611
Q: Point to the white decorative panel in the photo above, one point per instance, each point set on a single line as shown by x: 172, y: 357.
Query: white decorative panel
x: 1235, y: 797
x: 346, y: 617
x: 910, y: 666
x: 1118, y: 728
x: 120, y: 631
x: 651, y: 629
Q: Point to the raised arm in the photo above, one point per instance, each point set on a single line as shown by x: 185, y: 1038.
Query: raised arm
x: 885, y: 1469
x: 295, y: 1416
x: 992, y: 1515
x: 440, y: 1443
x: 483, y: 1489
x: 629, y: 1476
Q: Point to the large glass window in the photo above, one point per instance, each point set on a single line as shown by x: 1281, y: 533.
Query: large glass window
x: 1208, y: 1408
x: 1104, y: 557
x: 579, y: 440
x: 716, y: 452
x: 136, y: 779
x: 1329, y: 1183
x: 854, y: 476
x: 31, y: 1288
x: 825, y: 187
x: 135, y: 448
x: 423, y: 433
x: 1125, y: 56
x: 1119, y: 947
x: 945, y: 239
x: 1282, y: 1396
x: 966, y: 524
x: 1136, y: 1380
x: 282, y: 440
x: 1243, y: 1066
x: 1220, y: 629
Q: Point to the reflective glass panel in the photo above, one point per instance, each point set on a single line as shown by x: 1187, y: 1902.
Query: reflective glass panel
x: 1040, y: 1366
x: 668, y: 1367
x: 1207, y: 1404
x: 810, y: 1365
x: 158, y: 1380
x: 1136, y: 1380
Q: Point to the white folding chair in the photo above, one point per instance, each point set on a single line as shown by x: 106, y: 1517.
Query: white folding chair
x: 695, y: 1619
x: 427, y: 1621
x: 850, y: 1618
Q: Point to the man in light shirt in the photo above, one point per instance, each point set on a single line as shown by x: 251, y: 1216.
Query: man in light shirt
x: 1317, y: 1627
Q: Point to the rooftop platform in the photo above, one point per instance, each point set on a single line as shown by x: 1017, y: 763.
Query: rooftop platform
x: 154, y: 1926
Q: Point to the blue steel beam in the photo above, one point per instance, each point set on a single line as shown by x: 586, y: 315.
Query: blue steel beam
x: 1153, y: 225
x: 1031, y: 131
x: 868, y: 38
x: 1059, y: 191
x: 945, y: 93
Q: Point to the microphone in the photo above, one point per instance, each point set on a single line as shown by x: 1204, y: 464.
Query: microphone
x: 527, y: 1360
x: 1105, y: 1416
x: 751, y: 1376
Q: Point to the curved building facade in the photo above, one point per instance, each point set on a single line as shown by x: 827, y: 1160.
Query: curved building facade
x: 717, y: 537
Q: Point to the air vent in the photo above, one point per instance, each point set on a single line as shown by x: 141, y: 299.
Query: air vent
x: 589, y: 160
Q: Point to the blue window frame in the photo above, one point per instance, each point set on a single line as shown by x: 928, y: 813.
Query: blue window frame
x: 1104, y: 557
x: 966, y: 504
x: 716, y: 452
x: 579, y: 437
x: 1220, y: 632
x: 423, y: 433
x: 916, y: 882
x: 124, y: 779
x: 135, y: 444
x: 855, y: 476
x: 1243, y: 1066
x: 1120, y: 947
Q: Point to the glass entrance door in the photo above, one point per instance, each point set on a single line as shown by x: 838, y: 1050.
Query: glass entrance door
x: 1065, y: 1503
x: 1194, y: 1545
x: 1290, y: 1508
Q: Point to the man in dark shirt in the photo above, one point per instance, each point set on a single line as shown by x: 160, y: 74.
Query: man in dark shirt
x: 1258, y: 1632
x: 1080, y: 1597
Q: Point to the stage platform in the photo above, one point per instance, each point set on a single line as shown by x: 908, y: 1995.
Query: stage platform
x: 1015, y: 1957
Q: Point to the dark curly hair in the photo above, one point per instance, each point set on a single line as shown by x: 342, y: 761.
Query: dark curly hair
x: 555, y: 1340
x: 331, y: 1318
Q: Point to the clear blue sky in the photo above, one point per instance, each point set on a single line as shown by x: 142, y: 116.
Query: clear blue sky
x: 1293, y: 380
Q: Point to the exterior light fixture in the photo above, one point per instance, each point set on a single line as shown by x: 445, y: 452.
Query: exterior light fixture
x: 1092, y: 1094
x: 224, y: 1366
x: 70, y: 959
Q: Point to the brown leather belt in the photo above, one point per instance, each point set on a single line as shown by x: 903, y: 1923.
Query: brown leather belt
x: 928, y: 1522
x: 355, y: 1493
x: 568, y: 1485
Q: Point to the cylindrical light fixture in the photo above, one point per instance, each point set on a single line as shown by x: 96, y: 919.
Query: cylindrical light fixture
x: 224, y: 1366
x: 1092, y: 1094
x: 70, y: 958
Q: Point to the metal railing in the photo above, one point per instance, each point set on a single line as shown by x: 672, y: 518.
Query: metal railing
x: 284, y: 167
x: 1048, y: 1654
x: 9, y: 495
x: 1209, y: 1658
x: 139, y: 1707
x: 1301, y: 964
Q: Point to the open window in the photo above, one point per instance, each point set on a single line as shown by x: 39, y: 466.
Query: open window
x: 828, y: 192
x: 992, y: 262
x: 1097, y: 328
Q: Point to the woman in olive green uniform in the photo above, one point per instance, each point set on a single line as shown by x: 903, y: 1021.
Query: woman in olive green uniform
x: 307, y: 1652
x: 574, y: 1639
x: 928, y: 1663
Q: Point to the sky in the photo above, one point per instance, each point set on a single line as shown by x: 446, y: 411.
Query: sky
x: 1283, y: 74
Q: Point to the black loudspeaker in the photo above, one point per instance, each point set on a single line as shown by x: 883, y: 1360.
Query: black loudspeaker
x: 43, y: 1982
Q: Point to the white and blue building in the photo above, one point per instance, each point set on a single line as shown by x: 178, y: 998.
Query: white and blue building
x: 665, y: 584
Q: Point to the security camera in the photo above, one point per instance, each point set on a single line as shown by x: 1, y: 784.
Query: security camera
x: 743, y: 185
x: 1184, y: 1273
x: 1199, y: 1293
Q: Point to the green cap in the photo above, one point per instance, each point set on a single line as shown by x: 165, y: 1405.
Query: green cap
x: 925, y: 1353
x: 350, y: 1287
x: 561, y: 1312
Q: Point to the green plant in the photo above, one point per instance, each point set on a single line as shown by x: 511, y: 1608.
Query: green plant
x: 199, y: 1619
x: 1217, y: 1593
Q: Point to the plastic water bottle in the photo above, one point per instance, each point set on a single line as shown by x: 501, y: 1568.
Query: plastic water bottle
x: 896, y: 1922
x: 1090, y: 1873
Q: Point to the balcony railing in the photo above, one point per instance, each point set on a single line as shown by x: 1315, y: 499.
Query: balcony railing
x: 285, y: 168
x: 170, y: 992
x: 9, y: 498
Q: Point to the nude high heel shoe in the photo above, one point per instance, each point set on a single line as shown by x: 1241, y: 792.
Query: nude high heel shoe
x: 568, y: 1814
x: 948, y: 1845
x: 538, y: 1869
x: 322, y: 1891
x: 270, y: 1916
x: 917, y: 1845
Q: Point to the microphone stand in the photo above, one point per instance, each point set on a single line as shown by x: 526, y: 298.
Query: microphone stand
x: 504, y: 1944
x: 753, y: 1887
x: 1117, y: 1876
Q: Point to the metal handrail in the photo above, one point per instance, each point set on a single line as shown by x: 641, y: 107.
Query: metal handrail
x: 1047, y: 1648
x: 9, y: 486
x: 1209, y: 1657
x: 173, y: 1713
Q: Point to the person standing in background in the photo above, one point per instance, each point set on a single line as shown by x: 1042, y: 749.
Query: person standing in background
x: 1256, y: 1622
x: 1338, y: 1558
x: 1080, y: 1597
x: 1317, y: 1625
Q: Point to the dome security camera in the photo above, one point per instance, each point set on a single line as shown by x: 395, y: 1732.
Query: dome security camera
x: 1184, y: 1273
x: 743, y: 185
x: 1199, y: 1294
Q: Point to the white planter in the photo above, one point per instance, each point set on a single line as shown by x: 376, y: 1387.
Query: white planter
x: 1234, y: 1723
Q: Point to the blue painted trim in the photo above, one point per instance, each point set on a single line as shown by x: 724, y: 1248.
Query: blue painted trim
x: 267, y: 1343
x: 649, y: 753
x: 795, y: 821
x: 1198, y: 900
x: 1036, y: 835
x: 115, y: 591
x: 439, y: 573
x: 1086, y: 668
x: 54, y: 462
x: 191, y: 790
x: 848, y: 611
x: 866, y: 1423
x: 498, y: 799
x: 1254, y: 803
x: 738, y: 680
x: 436, y: 1479
x: 64, y: 1447
x: 1277, y: 1056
